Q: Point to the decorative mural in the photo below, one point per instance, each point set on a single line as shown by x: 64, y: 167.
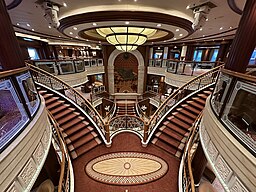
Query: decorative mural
x: 126, y: 73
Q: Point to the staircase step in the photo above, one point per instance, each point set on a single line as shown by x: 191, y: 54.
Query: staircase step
x: 184, y: 118
x: 42, y: 92
x: 179, y: 122
x: 190, y: 108
x: 195, y: 104
x: 187, y: 113
x: 207, y: 92
x: 175, y: 128
x: 204, y: 96
x: 55, y: 104
x: 79, y: 134
x: 199, y: 100
x: 164, y: 146
x: 75, y: 128
x: 85, y: 148
x: 72, y: 123
x: 81, y: 141
x: 167, y: 139
x: 47, y: 95
x: 50, y: 100
x: 60, y: 108
x: 64, y: 113
x: 67, y: 118
x: 171, y: 133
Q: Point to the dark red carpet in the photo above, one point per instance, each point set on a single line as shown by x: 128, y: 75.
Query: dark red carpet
x: 126, y: 142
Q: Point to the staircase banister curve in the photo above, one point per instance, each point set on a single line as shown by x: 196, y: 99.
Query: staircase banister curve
x: 181, y: 88
x: 87, y: 103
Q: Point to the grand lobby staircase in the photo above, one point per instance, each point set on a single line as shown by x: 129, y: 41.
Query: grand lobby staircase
x: 171, y: 134
x: 79, y: 133
x: 125, y: 108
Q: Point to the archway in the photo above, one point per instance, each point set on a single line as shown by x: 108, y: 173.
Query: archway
x: 111, y: 68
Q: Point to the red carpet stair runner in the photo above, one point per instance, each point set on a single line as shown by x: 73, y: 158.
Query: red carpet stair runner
x: 79, y: 133
x: 172, y: 133
x: 125, y: 109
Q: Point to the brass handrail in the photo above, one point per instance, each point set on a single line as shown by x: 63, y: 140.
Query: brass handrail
x: 87, y: 103
x: 181, y: 88
x: 65, y: 155
x: 239, y: 75
x: 12, y: 72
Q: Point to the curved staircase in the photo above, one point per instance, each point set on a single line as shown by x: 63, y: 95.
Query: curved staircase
x: 80, y: 135
x: 171, y: 135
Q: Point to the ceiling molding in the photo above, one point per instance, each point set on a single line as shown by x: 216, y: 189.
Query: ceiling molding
x: 124, y: 16
x: 233, y: 7
x: 13, y: 4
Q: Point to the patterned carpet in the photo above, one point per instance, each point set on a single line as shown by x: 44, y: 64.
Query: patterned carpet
x: 126, y: 142
x: 127, y: 168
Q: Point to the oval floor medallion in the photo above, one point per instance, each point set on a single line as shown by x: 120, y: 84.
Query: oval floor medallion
x: 126, y: 168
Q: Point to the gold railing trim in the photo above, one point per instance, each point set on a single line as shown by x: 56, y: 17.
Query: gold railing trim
x: 13, y: 71
x: 239, y: 75
x: 180, y: 88
x: 58, y: 79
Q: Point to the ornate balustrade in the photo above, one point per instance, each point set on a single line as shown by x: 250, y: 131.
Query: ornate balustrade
x: 66, y: 180
x: 62, y: 67
x: 234, y: 103
x: 182, y: 67
x: 44, y: 78
x: 197, y: 83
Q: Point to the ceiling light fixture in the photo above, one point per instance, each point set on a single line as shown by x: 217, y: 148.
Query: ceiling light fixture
x: 18, y: 24
x: 49, y: 27
x: 33, y: 29
x: 174, y: 38
x: 65, y: 4
x: 71, y: 33
x: 94, y: 24
x: 75, y: 28
x: 181, y: 35
x: 159, y: 25
x: 221, y: 28
x: 127, y: 22
x: 206, y: 19
x: 28, y: 25
x: 177, y: 30
x: 126, y: 38
x: 201, y: 29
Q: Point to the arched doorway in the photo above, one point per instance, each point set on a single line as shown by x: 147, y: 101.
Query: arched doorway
x: 116, y: 60
x: 125, y: 73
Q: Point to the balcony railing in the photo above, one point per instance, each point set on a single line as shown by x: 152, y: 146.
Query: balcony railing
x: 183, y: 67
x: 197, y: 83
x: 19, y: 103
x: 46, y: 79
x: 62, y: 67
x: 234, y: 103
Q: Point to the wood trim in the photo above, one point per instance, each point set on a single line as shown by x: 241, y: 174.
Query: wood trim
x: 13, y: 72
x: 239, y: 75
x: 13, y: 4
x: 123, y: 16
x: 233, y: 6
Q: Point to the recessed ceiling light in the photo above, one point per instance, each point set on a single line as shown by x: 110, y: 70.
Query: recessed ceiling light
x: 127, y: 22
x: 152, y: 42
x: 135, y: 0
x: 86, y: 40
x: 71, y: 33
x: 119, y: 0
x: 165, y: 41
x: 174, y: 38
x: 175, y: 47
x: 206, y: 19
x: 201, y: 29
x: 159, y: 25
x: 188, y: 7
x: 18, y: 24
x: 75, y: 28
x: 203, y: 35
x: 181, y: 35
x: 59, y: 36
x: 223, y: 39
x: 99, y: 41
x: 33, y: 29
x: 221, y: 28
x: 49, y: 26
x: 65, y: 4
x: 230, y: 27
x: 158, y: 47
x: 28, y: 25
x: 94, y: 24
x: 76, y: 37
x: 177, y: 30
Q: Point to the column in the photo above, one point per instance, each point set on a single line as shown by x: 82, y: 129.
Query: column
x: 245, y: 39
x: 10, y: 54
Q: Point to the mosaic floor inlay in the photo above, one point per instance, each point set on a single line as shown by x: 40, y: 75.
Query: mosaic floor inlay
x: 126, y: 168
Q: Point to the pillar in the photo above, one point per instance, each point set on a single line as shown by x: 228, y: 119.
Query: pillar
x: 10, y: 54
x: 245, y: 39
x: 199, y: 163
